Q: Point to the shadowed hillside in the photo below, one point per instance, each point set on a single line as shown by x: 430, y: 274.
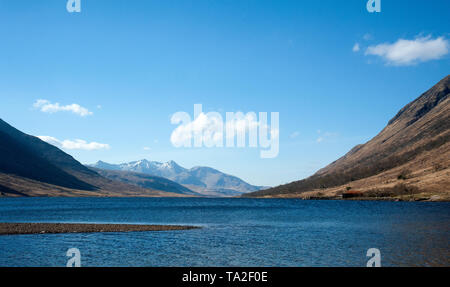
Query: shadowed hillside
x: 32, y: 167
x: 29, y: 157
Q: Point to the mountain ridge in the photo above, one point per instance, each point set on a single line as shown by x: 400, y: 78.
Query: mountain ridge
x: 27, y: 156
x: 415, y: 142
x: 146, y: 181
x: 32, y: 167
x: 200, y: 179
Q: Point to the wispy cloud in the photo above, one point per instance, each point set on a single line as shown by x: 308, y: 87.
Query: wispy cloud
x: 356, y: 48
x: 410, y: 52
x: 74, y: 144
x: 324, y: 136
x: 48, y: 107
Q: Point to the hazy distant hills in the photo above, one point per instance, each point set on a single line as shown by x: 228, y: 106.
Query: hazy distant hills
x: 146, y: 181
x: 32, y: 167
x: 408, y: 159
x: 203, y: 180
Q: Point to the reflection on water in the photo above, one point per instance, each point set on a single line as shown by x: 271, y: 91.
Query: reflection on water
x: 236, y: 232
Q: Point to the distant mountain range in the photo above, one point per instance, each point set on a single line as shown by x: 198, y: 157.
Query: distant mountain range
x: 409, y: 159
x: 32, y: 167
x: 145, y: 181
x: 202, y: 180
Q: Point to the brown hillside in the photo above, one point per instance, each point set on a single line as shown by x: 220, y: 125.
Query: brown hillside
x: 411, y: 155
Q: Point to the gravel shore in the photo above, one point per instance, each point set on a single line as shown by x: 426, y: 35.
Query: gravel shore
x: 42, y: 228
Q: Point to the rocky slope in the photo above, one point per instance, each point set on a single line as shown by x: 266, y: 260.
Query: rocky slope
x: 408, y: 159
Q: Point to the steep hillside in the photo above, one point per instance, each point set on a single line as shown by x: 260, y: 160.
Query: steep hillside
x: 409, y: 156
x: 29, y: 157
x: 32, y: 167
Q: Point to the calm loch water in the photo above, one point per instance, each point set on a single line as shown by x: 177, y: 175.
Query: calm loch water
x: 236, y: 232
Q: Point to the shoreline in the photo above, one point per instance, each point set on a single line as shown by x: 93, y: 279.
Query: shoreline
x: 432, y: 198
x: 379, y: 199
x: 55, y: 228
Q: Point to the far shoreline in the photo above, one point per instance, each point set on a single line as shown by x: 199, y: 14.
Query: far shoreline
x: 55, y: 228
x: 429, y: 198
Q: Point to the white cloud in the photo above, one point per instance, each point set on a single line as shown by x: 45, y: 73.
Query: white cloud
x: 211, y: 127
x: 74, y: 144
x: 146, y: 148
x: 325, y: 136
x: 409, y: 52
x: 356, y: 48
x: 48, y: 107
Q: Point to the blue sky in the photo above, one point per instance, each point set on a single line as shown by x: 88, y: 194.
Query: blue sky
x: 335, y: 73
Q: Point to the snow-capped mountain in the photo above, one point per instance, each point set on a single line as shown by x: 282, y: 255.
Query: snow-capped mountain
x: 204, y: 180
